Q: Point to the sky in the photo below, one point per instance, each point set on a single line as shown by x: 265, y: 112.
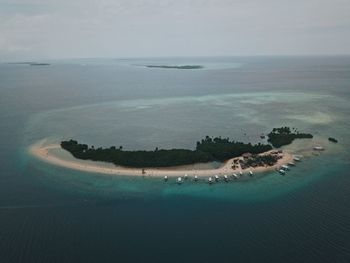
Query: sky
x: 58, y: 29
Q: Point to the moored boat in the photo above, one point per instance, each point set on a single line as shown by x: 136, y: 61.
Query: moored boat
x: 281, y: 171
x: 285, y: 167
x: 318, y: 148
x: 210, y: 180
x: 179, y: 180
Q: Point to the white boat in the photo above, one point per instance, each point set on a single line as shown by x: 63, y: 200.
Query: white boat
x: 216, y: 178
x: 185, y: 176
x: 165, y: 178
x: 235, y: 176
x: 225, y: 177
x: 285, y: 167
x: 291, y: 163
x: 240, y: 173
x: 196, y: 178
x: 281, y: 171
x: 318, y: 148
x: 210, y: 180
x: 251, y: 173
x: 179, y: 180
x: 297, y: 159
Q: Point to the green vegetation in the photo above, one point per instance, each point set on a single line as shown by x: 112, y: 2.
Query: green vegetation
x: 176, y: 67
x: 207, y: 150
x: 331, y: 139
x: 224, y: 149
x: 283, y: 136
x: 156, y: 158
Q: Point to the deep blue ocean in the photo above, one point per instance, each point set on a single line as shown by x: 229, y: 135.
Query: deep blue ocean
x: 53, y: 214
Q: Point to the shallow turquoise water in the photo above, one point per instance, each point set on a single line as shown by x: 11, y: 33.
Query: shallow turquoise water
x: 181, y: 121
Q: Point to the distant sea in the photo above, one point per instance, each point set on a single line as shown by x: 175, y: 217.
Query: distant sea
x: 53, y: 214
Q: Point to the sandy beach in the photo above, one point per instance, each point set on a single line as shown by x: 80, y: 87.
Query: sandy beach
x: 45, y: 153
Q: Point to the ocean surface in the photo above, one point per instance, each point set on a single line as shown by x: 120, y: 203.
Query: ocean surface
x: 53, y: 214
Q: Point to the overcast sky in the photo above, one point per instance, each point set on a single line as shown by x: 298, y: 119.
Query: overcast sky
x: 39, y: 29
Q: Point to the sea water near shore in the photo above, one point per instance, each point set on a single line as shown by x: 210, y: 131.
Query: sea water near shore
x: 303, y: 215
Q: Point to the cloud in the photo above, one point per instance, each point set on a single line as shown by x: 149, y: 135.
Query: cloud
x: 79, y: 28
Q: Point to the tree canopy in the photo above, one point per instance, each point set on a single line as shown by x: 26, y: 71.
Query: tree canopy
x: 207, y: 150
x: 284, y: 135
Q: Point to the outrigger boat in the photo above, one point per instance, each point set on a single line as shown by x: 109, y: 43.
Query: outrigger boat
x: 281, y: 171
x: 179, y: 180
x: 318, y: 148
x: 285, y: 167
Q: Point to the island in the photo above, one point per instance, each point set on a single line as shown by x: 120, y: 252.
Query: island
x: 39, y: 64
x: 285, y: 135
x: 176, y: 66
x: 331, y: 139
x: 234, y: 158
x: 30, y: 63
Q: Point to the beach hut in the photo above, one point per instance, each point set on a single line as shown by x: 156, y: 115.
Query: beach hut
x: 246, y: 155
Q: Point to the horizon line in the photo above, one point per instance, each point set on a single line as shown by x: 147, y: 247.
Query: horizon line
x: 180, y: 56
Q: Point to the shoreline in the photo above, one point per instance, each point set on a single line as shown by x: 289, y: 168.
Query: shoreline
x: 44, y: 153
